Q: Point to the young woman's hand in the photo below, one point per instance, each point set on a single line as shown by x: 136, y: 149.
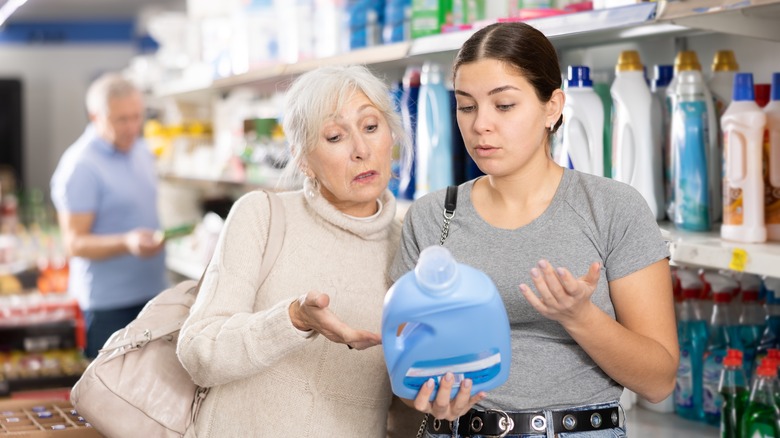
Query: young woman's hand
x: 561, y: 297
x: 311, y: 312
x: 442, y: 407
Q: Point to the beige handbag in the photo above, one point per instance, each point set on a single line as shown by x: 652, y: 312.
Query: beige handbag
x: 137, y: 387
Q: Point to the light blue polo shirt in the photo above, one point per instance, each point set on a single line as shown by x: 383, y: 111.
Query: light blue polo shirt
x: 120, y: 189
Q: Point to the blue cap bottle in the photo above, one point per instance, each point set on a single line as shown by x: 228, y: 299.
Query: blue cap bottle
x: 444, y: 317
x: 743, y: 87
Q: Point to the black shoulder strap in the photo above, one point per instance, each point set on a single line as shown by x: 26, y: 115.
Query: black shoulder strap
x: 450, y: 202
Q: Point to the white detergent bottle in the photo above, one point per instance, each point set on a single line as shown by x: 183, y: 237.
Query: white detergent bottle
x: 583, y: 123
x: 743, y: 126
x: 636, y: 155
x: 721, y: 82
x: 444, y: 317
x: 772, y: 162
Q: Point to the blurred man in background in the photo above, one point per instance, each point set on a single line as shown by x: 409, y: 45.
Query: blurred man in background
x: 105, y: 193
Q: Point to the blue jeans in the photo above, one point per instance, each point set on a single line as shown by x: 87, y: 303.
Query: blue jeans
x: 614, y: 432
x: 101, y: 324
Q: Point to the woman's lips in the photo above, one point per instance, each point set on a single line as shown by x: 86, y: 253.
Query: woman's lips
x: 366, y: 177
x: 485, y: 150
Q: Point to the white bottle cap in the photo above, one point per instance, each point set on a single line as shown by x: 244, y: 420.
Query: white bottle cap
x: 436, y: 269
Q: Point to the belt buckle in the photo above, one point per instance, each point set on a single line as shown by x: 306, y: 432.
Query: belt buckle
x: 505, y: 423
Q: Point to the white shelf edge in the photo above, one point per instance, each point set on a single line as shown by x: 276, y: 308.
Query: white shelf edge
x: 708, y: 249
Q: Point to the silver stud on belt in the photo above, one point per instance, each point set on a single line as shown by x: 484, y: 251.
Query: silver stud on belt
x: 476, y: 424
x: 614, y: 418
x: 595, y: 420
x: 505, y: 423
x: 539, y: 423
x: 569, y: 422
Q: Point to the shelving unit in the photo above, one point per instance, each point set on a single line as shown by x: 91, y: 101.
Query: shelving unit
x: 639, y: 22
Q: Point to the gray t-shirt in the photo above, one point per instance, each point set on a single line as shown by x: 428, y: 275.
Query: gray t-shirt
x: 590, y: 219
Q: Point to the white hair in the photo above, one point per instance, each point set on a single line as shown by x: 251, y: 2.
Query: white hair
x: 313, y: 96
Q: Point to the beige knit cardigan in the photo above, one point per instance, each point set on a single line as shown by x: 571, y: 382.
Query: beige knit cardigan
x: 265, y: 378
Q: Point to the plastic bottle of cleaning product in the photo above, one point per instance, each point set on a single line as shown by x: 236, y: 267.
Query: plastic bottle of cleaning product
x: 636, y: 157
x: 583, y: 127
x: 662, y: 77
x: 771, y: 157
x: 723, y: 334
x: 743, y: 126
x: 752, y: 318
x: 721, y: 82
x: 762, y: 94
x: 601, y: 85
x: 686, y: 64
x: 429, y: 306
x: 434, y: 166
x: 770, y: 338
x: 692, y: 335
x: 689, y: 145
x: 760, y: 419
x: 409, y: 96
x: 734, y: 391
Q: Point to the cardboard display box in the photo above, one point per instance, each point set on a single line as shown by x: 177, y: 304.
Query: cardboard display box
x: 42, y: 418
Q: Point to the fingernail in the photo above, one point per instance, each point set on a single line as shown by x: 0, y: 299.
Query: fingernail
x: 542, y: 264
x: 466, y: 383
x: 449, y: 377
x: 535, y: 273
x: 560, y: 271
x: 523, y: 287
x: 429, y: 383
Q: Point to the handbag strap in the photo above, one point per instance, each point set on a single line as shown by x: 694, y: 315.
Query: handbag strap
x: 450, y: 202
x: 273, y: 246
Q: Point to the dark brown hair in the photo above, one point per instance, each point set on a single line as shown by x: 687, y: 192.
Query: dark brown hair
x: 520, y: 46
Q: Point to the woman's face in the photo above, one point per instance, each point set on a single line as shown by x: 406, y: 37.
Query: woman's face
x: 352, y: 157
x: 503, y: 123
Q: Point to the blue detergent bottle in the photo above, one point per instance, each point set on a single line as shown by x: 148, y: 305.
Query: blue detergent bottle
x: 444, y: 317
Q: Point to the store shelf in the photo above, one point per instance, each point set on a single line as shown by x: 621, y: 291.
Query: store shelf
x: 709, y: 250
x: 751, y: 18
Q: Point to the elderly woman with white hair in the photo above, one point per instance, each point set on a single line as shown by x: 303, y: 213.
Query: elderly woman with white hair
x: 292, y: 357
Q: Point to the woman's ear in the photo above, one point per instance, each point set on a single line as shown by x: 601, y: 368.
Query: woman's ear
x: 555, y: 107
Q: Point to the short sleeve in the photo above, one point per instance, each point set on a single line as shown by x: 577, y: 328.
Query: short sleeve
x: 635, y: 240
x: 75, y: 188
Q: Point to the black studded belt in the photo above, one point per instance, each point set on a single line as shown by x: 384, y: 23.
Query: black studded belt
x: 500, y: 423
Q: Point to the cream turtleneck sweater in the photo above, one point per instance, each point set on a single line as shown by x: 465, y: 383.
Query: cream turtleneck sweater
x: 265, y: 378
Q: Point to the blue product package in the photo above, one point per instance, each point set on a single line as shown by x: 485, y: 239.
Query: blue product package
x: 423, y: 334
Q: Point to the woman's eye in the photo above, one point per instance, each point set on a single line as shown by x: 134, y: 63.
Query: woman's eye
x: 372, y: 128
x: 505, y: 107
x: 466, y: 108
x: 333, y: 138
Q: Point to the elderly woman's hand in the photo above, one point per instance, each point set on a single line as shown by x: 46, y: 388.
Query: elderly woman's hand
x: 311, y: 312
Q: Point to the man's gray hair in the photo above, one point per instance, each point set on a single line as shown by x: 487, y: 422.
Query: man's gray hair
x: 108, y: 86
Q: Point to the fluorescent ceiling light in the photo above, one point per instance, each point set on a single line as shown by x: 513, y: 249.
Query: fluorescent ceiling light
x: 8, y: 8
